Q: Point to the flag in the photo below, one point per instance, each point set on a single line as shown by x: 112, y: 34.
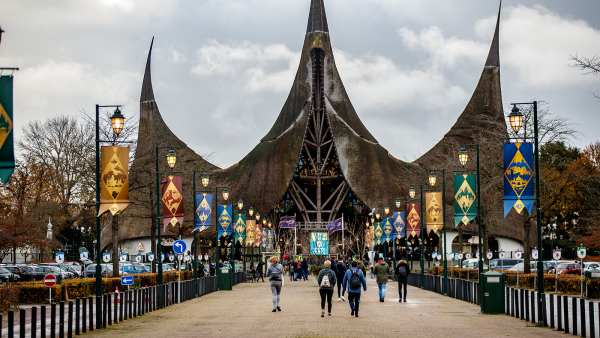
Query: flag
x: 224, y: 221
x: 388, y: 229
x: 240, y: 228
x: 464, y: 199
x: 172, y: 201
x: 258, y: 234
x: 434, y: 212
x: 377, y: 233
x: 414, y: 219
x: 7, y: 149
x: 518, y: 173
x: 270, y: 239
x: 287, y: 222
x: 114, y: 179
x: 250, y: 229
x: 335, y: 226
x: 399, y: 225
x: 203, y: 214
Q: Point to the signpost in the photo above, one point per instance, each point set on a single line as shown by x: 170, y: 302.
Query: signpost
x: 556, y: 256
x: 518, y: 254
x: 123, y: 258
x: 49, y: 282
x: 179, y: 247
x: 581, y: 254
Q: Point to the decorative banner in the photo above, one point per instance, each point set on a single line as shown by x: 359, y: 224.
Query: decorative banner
x: 258, y: 234
x: 468, y: 255
x: 287, y: 222
x: 240, y: 228
x: 556, y: 254
x: 224, y: 221
x: 7, y: 151
x: 490, y: 255
x: 378, y: 233
x: 464, y: 199
x: 172, y: 201
x: 60, y: 257
x: 334, y: 226
x: 581, y: 252
x: 319, y: 243
x: 203, y: 214
x: 264, y: 237
x: 388, y: 229
x: 414, y: 219
x: 518, y: 254
x: 250, y: 229
x: 270, y: 239
x: 399, y: 225
x: 501, y: 254
x: 434, y: 213
x: 534, y: 254
x: 518, y: 174
x: 114, y: 180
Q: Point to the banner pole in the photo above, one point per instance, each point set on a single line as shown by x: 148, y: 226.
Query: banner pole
x: 295, y: 237
x: 343, y: 248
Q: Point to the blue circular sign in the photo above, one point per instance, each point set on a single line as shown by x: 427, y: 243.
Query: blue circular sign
x: 179, y: 247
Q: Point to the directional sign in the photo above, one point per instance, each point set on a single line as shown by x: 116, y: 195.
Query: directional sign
x: 60, y: 257
x: 123, y: 258
x: 138, y: 258
x: 179, y: 246
x: 171, y: 257
x: 106, y: 257
x: 126, y: 280
x: 49, y: 280
x: 83, y: 254
x: 150, y: 257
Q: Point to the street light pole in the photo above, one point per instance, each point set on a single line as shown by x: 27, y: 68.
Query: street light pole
x: 432, y: 181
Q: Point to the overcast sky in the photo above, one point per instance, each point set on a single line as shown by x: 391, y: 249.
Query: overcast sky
x: 222, y: 69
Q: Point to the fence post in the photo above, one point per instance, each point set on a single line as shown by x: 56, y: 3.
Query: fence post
x: 70, y: 320
x: 61, y: 320
x: 77, y: 307
x: 582, y: 317
x: 551, y: 310
x: 91, y: 315
x: 33, y: 322
x: 526, y: 305
x: 574, y: 309
x: 42, y: 321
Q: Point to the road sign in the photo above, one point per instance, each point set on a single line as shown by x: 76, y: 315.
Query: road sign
x: 180, y: 257
x: 49, y: 280
x: 126, y: 280
x: 162, y: 257
x: 150, y: 257
x: 171, y: 257
x: 187, y: 258
x: 140, y: 247
x: 106, y: 257
x: 83, y: 254
x: 138, y: 258
x: 205, y: 257
x: 60, y: 257
x: 123, y: 258
x: 179, y: 246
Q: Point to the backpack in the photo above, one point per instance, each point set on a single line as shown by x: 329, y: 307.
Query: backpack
x: 325, y: 281
x: 275, y: 273
x: 355, y: 280
x: 402, y: 271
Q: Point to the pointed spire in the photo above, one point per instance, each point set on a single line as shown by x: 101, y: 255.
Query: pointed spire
x: 317, y: 20
x: 493, y: 59
x: 147, y: 93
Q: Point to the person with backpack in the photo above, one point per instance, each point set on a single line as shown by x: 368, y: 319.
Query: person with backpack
x: 326, y: 283
x: 339, y: 275
x: 402, y: 271
x: 275, y: 273
x: 381, y: 270
x: 353, y: 280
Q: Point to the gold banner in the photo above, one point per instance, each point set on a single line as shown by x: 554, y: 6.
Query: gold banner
x: 114, y: 179
x: 250, y: 226
x: 434, y: 211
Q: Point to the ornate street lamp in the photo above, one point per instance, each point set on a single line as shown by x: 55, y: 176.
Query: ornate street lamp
x: 251, y: 212
x: 463, y: 156
x: 240, y: 204
x: 516, y: 119
x: 432, y: 179
x: 411, y: 192
x: 258, y: 216
x: 377, y: 214
x: 205, y: 179
x: 117, y: 120
x: 171, y: 158
x: 386, y: 209
x: 398, y: 202
x: 225, y: 194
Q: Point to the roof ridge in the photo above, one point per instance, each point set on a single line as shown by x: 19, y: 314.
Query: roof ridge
x: 317, y: 20
x: 147, y: 92
x: 493, y: 59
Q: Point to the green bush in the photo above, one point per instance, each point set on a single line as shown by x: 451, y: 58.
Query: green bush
x: 315, y: 269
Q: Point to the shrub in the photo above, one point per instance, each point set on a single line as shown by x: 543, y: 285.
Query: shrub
x: 9, y: 297
x: 315, y: 269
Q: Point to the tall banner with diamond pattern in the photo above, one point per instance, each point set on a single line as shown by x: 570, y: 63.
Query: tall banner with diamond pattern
x: 378, y: 233
x: 172, y: 201
x: 270, y: 239
x: 202, y: 216
x: 250, y: 229
x: 399, y: 225
x: 224, y: 221
x: 240, y: 228
x: 434, y: 213
x: 464, y: 199
x: 258, y: 234
x: 518, y: 177
x: 414, y: 220
x: 264, y: 237
x: 388, y: 229
x: 114, y: 180
x: 7, y: 151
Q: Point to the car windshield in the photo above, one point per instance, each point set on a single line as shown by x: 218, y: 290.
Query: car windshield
x: 565, y: 265
x: 3, y: 270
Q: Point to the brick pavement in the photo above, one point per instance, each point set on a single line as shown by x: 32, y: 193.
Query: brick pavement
x: 246, y: 311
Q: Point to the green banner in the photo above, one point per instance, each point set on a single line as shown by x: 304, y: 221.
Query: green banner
x: 240, y: 228
x: 378, y: 233
x: 7, y: 150
x: 464, y: 199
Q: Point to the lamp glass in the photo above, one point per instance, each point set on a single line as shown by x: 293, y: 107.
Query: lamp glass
x: 516, y: 119
x: 411, y: 192
x: 432, y: 179
x: 386, y: 209
x: 463, y: 156
x: 225, y: 194
x: 398, y: 202
x: 372, y: 220
x: 377, y: 214
x: 257, y: 216
x: 251, y: 211
x: 264, y: 221
x: 171, y: 158
x: 240, y: 204
x: 205, y: 179
x: 117, y: 121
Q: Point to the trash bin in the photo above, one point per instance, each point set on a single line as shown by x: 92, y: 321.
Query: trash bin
x: 225, y: 279
x: 493, y: 292
x: 591, y: 274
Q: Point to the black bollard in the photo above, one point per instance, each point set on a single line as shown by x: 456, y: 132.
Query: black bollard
x: 551, y: 311
x: 77, y: 307
x: 559, y: 312
x: 108, y: 309
x: 98, y: 312
x: 104, y: 312
x: 122, y: 300
x: 566, y: 312
x: 70, y: 320
x: 11, y: 324
x: 52, y: 320
x: 544, y: 319
x: 129, y: 304
x: 134, y: 303
x: 526, y: 305
x: 574, y: 310
x: 582, y: 317
x: 592, y: 326
x: 33, y: 322
x: 83, y: 313
x: 22, y: 323
x: 533, y: 306
x: 91, y: 314
x: 116, y: 305
x: 61, y: 319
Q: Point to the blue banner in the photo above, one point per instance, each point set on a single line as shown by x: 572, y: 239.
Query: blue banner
x: 399, y: 225
x: 518, y: 177
x: 270, y: 239
x: 224, y: 221
x: 388, y: 229
x: 334, y: 226
x: 203, y: 211
x: 264, y: 237
x: 287, y: 222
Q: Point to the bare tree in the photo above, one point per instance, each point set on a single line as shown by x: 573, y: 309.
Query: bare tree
x: 587, y: 65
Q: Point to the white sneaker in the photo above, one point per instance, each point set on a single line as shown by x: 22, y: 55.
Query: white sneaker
x: 344, y: 299
x: 339, y: 299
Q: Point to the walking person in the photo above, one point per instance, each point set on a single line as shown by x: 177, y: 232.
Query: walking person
x: 305, y: 269
x: 353, y: 280
x: 381, y: 270
x: 326, y: 283
x: 402, y: 271
x: 339, y: 275
x: 275, y: 273
x: 259, y: 270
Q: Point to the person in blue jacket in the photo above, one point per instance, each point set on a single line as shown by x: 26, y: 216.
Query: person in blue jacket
x: 353, y: 280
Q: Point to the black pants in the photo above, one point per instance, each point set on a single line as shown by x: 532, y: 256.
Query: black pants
x: 326, y: 293
x: 260, y: 276
x: 339, y: 286
x: 353, y: 299
x: 402, y: 281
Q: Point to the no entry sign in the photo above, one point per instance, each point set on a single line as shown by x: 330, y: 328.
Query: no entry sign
x: 49, y: 280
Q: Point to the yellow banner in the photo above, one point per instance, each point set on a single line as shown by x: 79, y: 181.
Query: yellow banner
x: 114, y: 179
x: 250, y: 226
x: 434, y: 212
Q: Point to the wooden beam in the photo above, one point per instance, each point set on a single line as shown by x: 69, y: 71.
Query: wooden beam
x: 342, y: 185
x: 301, y: 207
x: 297, y: 188
x: 338, y: 202
x: 326, y: 158
x: 310, y: 157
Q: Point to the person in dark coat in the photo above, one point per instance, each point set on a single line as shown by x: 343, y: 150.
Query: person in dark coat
x: 402, y: 271
x: 340, y: 271
x: 326, y: 288
x: 259, y: 269
x: 305, y: 269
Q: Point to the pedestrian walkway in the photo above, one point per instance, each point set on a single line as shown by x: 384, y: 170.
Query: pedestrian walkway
x: 246, y: 312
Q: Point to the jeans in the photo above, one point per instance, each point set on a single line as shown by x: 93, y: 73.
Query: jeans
x: 339, y: 286
x: 353, y: 299
x: 305, y: 274
x: 326, y: 293
x: 401, y: 282
x: 381, y: 287
x: 276, y: 291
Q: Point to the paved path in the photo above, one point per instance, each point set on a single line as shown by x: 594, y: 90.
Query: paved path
x: 246, y: 311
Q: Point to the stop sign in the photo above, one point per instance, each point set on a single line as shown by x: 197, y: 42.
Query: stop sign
x: 49, y: 280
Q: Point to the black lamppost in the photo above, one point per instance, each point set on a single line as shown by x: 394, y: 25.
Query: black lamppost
x: 412, y: 193
x: 117, y: 125
x: 397, y: 203
x: 171, y: 160
x: 516, y: 122
x: 205, y: 180
x: 432, y: 181
x: 217, y: 246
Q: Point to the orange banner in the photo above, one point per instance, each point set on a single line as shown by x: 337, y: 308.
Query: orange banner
x: 114, y: 179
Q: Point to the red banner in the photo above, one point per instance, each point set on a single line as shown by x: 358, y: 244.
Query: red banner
x: 172, y: 201
x: 413, y: 220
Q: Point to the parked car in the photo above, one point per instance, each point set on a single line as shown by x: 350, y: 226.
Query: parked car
x: 588, y: 266
x: 7, y: 277
x: 532, y: 266
x: 26, y: 272
x: 40, y: 271
x: 504, y: 264
x: 130, y: 269
x: 473, y: 263
x: 16, y: 271
x: 567, y: 268
x: 64, y: 270
x: 90, y: 271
